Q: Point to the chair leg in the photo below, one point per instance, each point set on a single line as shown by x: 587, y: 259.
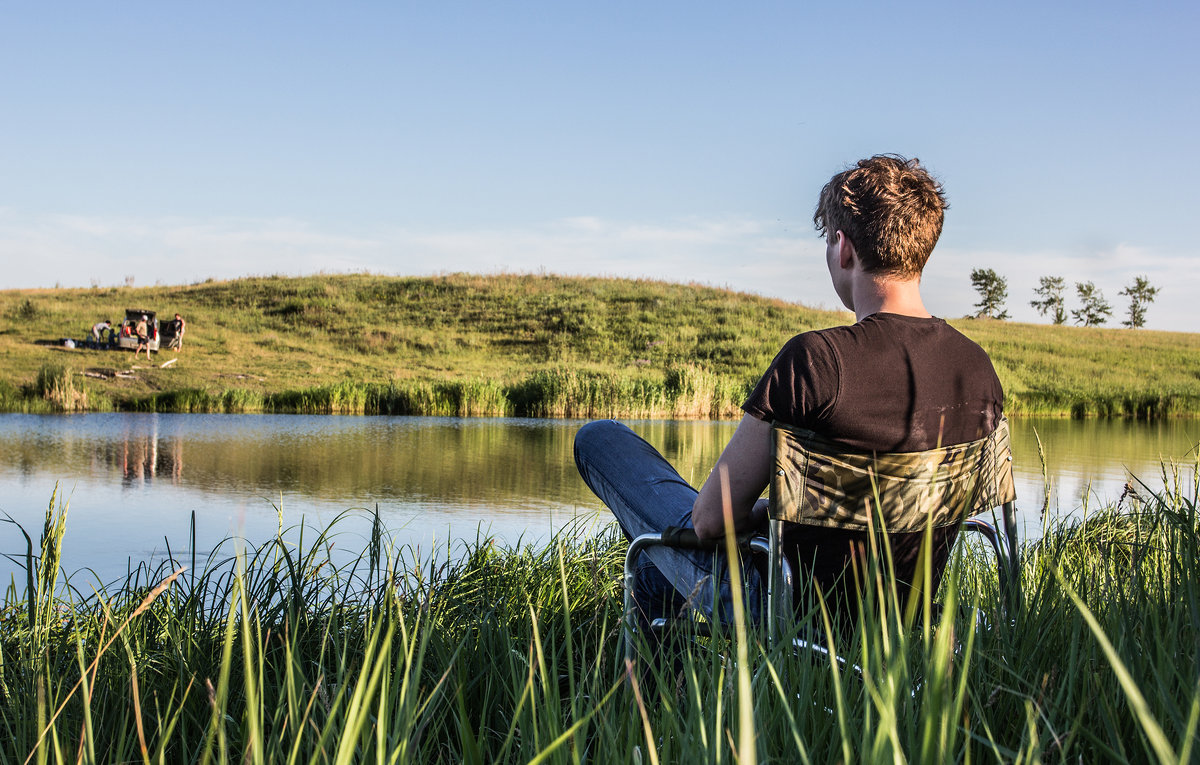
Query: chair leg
x: 1008, y: 511
x: 630, y: 621
x: 780, y: 580
x: 779, y: 595
x: 1006, y: 570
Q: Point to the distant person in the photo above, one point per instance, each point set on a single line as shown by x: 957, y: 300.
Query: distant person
x: 143, y: 337
x: 99, y: 328
x: 177, y: 340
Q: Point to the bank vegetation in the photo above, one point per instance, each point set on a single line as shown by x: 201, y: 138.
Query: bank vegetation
x: 514, y: 345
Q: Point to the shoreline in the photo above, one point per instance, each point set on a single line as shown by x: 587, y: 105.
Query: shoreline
x: 518, y: 345
x: 682, y: 393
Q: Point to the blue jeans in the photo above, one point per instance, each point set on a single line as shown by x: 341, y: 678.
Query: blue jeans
x: 647, y: 495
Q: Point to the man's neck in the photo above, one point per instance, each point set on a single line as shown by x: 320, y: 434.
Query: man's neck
x: 882, y: 295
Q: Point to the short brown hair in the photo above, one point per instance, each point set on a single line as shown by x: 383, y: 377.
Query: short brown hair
x: 890, y: 207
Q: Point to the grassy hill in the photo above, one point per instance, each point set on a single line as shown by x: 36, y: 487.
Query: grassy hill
x: 527, y: 345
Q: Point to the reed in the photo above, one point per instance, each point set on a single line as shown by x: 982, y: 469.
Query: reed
x: 1082, y: 404
x: 59, y: 387
x: 295, y: 650
x: 681, y: 392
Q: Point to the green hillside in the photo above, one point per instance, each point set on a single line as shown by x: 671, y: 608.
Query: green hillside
x: 507, y: 344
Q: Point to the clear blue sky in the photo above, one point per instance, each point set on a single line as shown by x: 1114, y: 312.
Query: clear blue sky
x: 686, y: 141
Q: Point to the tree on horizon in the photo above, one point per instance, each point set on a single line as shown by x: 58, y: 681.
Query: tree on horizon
x: 1050, y: 291
x: 1094, y: 310
x: 993, y: 291
x: 1140, y: 294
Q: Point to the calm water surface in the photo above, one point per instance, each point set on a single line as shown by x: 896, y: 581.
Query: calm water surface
x: 134, y: 480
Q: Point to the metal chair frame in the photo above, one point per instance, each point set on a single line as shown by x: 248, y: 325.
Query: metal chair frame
x: 781, y: 578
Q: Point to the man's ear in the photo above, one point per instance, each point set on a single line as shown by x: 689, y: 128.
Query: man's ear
x: 846, y: 252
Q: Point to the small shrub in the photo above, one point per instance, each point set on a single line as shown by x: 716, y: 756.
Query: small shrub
x: 57, y: 385
x: 28, y: 310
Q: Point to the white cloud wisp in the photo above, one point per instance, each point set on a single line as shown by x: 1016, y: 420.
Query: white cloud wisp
x: 741, y: 254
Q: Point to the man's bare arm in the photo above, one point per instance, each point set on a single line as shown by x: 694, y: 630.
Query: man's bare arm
x: 747, y: 462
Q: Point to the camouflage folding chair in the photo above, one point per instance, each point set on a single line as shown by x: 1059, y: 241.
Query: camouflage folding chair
x: 816, y: 482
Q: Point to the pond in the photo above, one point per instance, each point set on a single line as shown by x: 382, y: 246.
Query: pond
x: 134, y: 480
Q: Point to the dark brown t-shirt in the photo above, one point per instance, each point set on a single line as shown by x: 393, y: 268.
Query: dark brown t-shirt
x: 889, y: 383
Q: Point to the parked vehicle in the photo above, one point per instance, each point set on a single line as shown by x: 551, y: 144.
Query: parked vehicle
x: 127, y: 335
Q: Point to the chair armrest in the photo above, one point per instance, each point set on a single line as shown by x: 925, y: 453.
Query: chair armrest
x: 686, y: 539
x: 682, y: 538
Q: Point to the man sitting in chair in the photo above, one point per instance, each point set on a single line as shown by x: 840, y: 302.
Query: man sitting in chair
x: 897, y: 380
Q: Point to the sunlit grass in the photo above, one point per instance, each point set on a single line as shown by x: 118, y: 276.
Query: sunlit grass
x: 296, y: 651
x: 518, y: 344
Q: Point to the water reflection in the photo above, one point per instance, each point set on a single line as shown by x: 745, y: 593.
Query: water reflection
x: 1090, y: 461
x: 142, y: 459
x: 135, y: 479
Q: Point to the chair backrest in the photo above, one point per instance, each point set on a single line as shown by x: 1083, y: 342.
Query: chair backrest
x: 818, y: 482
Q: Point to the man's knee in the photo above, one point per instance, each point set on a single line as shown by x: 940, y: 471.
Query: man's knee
x: 595, y: 435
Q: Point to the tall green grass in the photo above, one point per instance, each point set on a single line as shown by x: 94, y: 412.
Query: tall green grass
x: 294, y: 651
x: 1111, y: 403
x: 57, y: 386
x: 681, y: 392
